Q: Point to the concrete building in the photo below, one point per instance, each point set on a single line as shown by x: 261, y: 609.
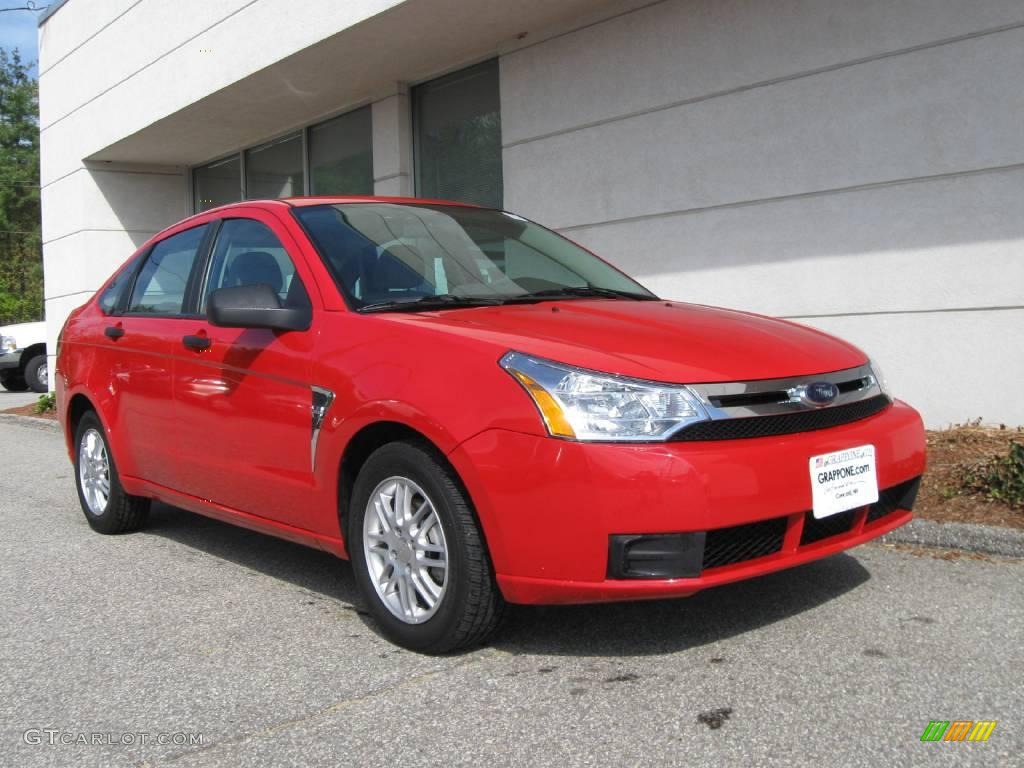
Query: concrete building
x: 857, y: 166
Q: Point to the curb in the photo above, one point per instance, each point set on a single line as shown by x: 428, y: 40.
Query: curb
x: 968, y: 537
x: 30, y: 421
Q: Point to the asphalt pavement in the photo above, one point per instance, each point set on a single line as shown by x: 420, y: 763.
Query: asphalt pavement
x: 195, y: 643
x: 16, y: 399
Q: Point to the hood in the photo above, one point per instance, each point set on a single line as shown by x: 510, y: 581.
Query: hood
x: 657, y: 340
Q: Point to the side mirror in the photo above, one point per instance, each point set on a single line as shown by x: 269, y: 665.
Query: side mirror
x: 255, y: 306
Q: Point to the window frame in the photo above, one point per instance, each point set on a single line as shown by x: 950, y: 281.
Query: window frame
x: 188, y: 305
x: 416, y: 119
x: 204, y: 280
x: 246, y: 153
x: 194, y: 182
x: 310, y: 144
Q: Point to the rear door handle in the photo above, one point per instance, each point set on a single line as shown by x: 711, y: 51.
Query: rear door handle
x: 113, y: 332
x: 198, y: 343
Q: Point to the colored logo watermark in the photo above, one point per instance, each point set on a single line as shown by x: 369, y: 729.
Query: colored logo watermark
x: 958, y: 730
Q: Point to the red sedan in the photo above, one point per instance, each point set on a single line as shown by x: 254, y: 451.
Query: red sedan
x: 472, y: 409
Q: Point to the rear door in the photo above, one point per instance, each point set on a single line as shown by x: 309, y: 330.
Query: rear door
x: 138, y: 339
x: 244, y: 398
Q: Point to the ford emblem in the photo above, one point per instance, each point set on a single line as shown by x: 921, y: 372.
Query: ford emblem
x: 819, y: 393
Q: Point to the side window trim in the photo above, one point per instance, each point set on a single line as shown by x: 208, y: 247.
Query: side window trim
x: 201, y: 252
x: 196, y: 286
x: 126, y: 297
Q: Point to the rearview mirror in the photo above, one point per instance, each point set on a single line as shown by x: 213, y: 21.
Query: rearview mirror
x: 255, y: 306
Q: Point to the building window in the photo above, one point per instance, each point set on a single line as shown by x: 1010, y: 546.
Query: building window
x: 457, y: 124
x: 275, y: 169
x: 218, y: 183
x: 341, y: 155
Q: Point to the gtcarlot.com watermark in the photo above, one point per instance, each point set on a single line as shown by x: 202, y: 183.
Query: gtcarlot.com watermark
x: 53, y: 737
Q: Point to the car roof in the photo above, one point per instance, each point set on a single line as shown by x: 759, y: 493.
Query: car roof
x: 308, y: 200
x: 302, y: 202
x: 299, y: 202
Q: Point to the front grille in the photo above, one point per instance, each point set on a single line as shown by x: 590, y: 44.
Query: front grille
x: 725, y: 546
x: 826, y: 527
x: 900, y: 496
x: 783, y: 424
x: 777, y: 396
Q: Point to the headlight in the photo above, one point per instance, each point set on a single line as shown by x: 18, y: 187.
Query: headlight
x: 7, y: 343
x: 584, y: 405
x: 880, y: 379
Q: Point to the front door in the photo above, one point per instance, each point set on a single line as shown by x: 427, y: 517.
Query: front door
x: 243, y: 397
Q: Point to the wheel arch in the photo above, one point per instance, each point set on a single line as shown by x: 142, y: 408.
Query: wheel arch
x: 369, y: 438
x: 78, y: 406
x: 30, y: 352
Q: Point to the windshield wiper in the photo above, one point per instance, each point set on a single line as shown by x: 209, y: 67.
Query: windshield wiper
x: 582, y: 291
x: 440, y: 301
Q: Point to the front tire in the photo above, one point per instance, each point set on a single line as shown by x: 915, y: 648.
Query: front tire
x: 37, y: 374
x: 108, y: 509
x: 13, y: 382
x: 419, y: 558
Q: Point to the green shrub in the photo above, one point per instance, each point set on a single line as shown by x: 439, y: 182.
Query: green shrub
x: 46, y: 403
x: 1000, y: 478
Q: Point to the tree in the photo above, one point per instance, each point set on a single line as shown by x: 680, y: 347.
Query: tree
x: 21, y: 265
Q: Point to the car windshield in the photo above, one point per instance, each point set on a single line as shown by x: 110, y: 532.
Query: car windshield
x: 404, y: 257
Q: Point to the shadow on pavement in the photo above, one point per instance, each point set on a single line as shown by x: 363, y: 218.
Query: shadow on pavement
x: 614, y: 629
x: 667, y: 626
x: 302, y: 566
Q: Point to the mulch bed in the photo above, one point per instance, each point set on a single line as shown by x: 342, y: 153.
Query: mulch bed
x: 949, y: 452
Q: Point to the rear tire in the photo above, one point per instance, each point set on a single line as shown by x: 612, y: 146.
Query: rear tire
x: 36, y: 374
x: 108, y: 509
x: 417, y: 605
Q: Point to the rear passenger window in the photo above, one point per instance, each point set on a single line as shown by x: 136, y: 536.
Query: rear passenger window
x: 248, y: 253
x: 160, y: 286
x: 110, y: 299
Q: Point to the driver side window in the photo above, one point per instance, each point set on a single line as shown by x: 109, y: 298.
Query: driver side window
x: 248, y: 253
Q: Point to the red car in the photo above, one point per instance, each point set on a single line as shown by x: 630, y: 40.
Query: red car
x: 472, y: 409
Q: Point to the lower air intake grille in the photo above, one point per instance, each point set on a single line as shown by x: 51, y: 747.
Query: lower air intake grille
x: 826, y: 527
x: 783, y: 424
x: 725, y: 546
x: 900, y: 496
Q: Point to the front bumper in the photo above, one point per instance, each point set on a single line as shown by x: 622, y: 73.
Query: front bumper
x: 549, y: 508
x: 10, y: 360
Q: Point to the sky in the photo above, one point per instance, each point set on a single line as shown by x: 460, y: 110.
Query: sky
x: 18, y: 28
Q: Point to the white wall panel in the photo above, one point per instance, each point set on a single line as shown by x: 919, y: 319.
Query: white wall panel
x: 688, y: 49
x: 934, y: 111
x: 949, y: 243
x: 101, y: 198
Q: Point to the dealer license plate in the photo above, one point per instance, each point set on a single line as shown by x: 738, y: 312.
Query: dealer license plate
x: 843, y: 480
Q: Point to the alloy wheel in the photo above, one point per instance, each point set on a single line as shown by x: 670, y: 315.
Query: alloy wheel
x: 405, y: 549
x: 94, y: 471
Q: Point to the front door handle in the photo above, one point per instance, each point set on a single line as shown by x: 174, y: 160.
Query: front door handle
x: 113, y: 332
x: 198, y: 343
